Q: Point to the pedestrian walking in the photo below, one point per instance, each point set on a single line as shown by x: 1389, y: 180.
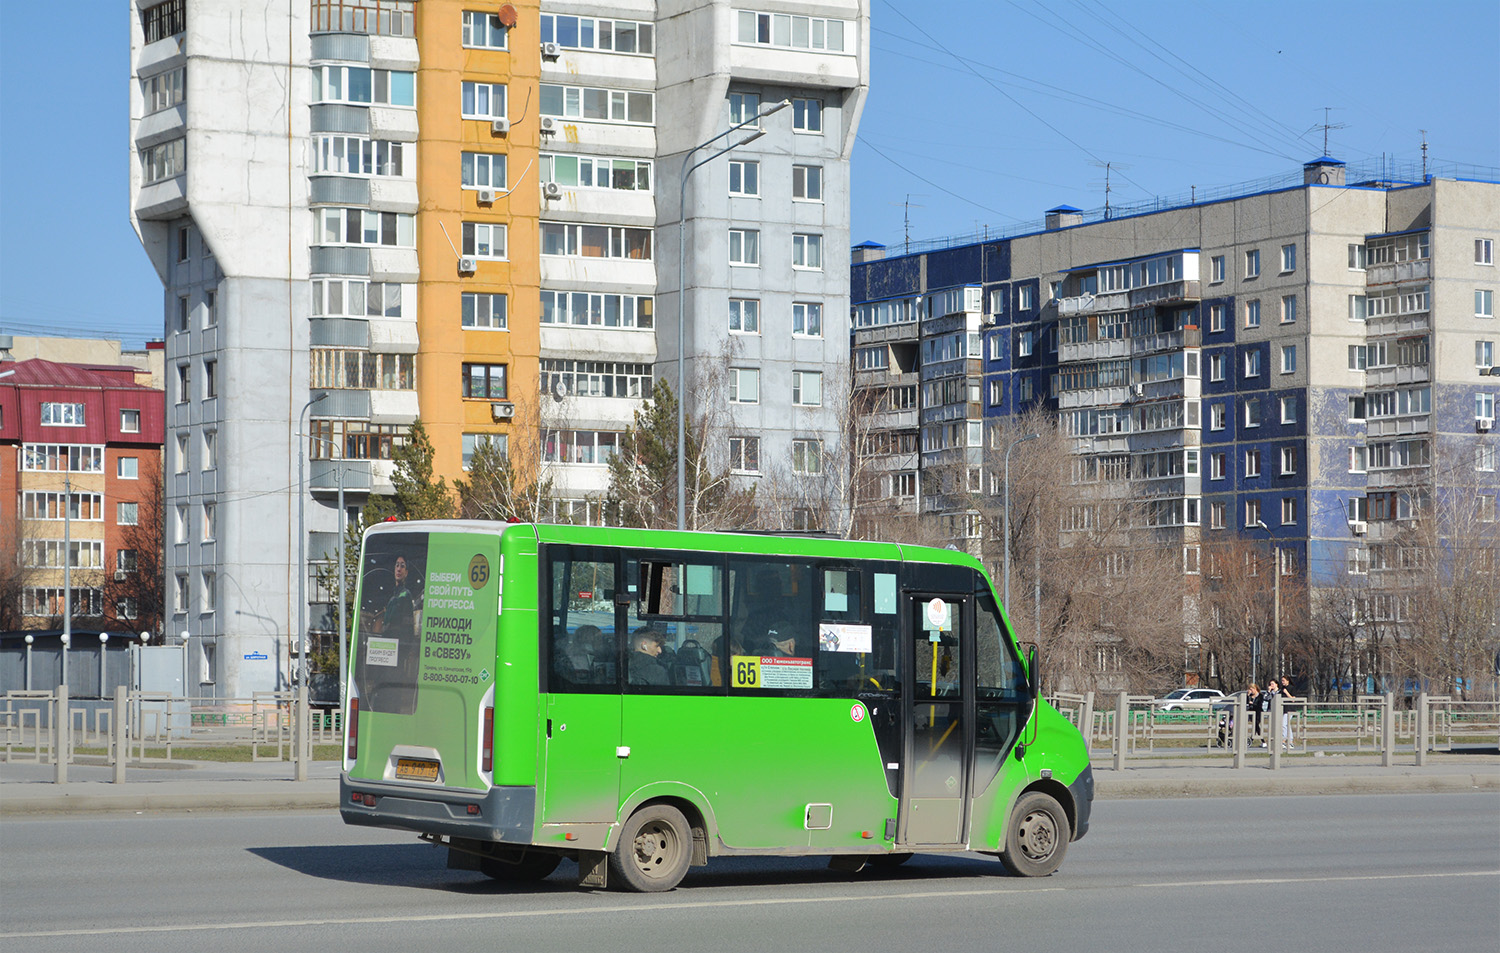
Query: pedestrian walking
x: 1266, y: 697
x: 1286, y: 716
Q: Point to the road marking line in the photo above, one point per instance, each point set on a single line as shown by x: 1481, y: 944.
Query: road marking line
x: 1320, y: 880
x: 517, y: 914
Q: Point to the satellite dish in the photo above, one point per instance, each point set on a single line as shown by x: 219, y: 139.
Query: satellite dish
x: 508, y: 16
x: 559, y: 389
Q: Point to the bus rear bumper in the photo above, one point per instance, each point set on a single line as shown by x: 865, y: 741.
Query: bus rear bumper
x: 1082, y: 790
x: 501, y: 814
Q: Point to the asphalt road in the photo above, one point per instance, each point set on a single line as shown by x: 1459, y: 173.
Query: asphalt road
x: 1365, y: 873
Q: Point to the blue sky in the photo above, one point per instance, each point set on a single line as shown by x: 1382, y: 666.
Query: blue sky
x: 981, y: 113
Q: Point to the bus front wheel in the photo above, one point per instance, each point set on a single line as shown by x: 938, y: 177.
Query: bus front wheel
x: 1037, y: 836
x: 655, y: 848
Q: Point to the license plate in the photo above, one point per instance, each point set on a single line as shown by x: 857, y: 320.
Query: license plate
x: 414, y: 769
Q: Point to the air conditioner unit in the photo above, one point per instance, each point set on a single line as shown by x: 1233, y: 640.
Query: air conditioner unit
x: 551, y: 190
x: 502, y: 411
x: 500, y: 126
x: 121, y: 575
x: 467, y: 266
x: 551, y: 51
x: 1484, y: 424
x: 549, y: 125
x: 487, y: 196
x: 1137, y: 390
x: 1358, y: 527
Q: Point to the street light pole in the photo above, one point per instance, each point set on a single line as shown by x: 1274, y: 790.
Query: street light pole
x: 682, y: 286
x: 343, y: 631
x: 1006, y: 542
x: 303, y: 755
x: 67, y: 607
x: 1276, y: 604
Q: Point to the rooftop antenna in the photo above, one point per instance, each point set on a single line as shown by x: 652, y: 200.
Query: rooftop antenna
x: 1424, y: 153
x: 1108, y: 168
x: 907, y: 206
x: 1325, y: 125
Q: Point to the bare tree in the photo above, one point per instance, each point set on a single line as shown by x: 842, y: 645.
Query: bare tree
x: 510, y: 481
x: 138, y: 601
x: 14, y: 578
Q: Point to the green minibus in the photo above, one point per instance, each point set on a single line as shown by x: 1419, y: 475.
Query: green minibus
x: 640, y: 701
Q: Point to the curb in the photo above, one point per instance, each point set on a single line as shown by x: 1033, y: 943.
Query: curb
x: 1119, y: 789
x: 164, y: 802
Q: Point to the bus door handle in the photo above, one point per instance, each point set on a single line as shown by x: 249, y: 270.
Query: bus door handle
x: 623, y: 751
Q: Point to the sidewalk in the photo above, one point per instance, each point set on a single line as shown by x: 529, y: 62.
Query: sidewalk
x: 185, y: 786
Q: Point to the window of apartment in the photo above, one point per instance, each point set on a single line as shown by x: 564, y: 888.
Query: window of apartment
x: 184, y: 243
x: 360, y: 84
x: 807, y: 388
x: 1216, y: 367
x: 1484, y: 507
x: 807, y: 115
x: 127, y: 468
x: 210, y: 449
x: 807, y: 251
x: 1252, y: 263
x: 1217, y: 513
x: 483, y: 31
x: 357, y: 439
x: 210, y: 308
x: 744, y: 454
x: 1252, y: 412
x: 483, y: 100
x: 1252, y: 463
x: 1252, y: 314
x: 353, y: 226
x: 210, y: 593
x: 357, y: 155
x: 597, y: 172
x: 1288, y: 358
x: 1288, y: 510
x: 210, y: 522
x: 71, y: 458
x: 1359, y: 458
x: 997, y: 393
x: 180, y: 523
x: 180, y: 593
x: 164, y: 90
x: 1216, y: 317
x: 1358, y: 356
x: 1217, y: 416
x: 807, y: 183
x: 1252, y: 513
x: 606, y: 36
x: 790, y: 32
x: 1252, y: 363
x: 355, y: 297
x: 744, y: 385
x: 377, y: 17
x: 596, y: 241
x: 1217, y: 465
x: 1359, y: 308
x: 1289, y: 409
x: 744, y: 315
x: 58, y: 414
x: 484, y: 240
x: 352, y: 369
x: 585, y: 309
x: 481, y: 170
x: 1484, y: 303
x: 1357, y: 409
x: 125, y: 560
x: 483, y: 311
x: 1289, y: 309
x: 472, y: 443
x: 807, y: 456
x: 184, y: 313
x: 1288, y: 461
x: 1484, y: 406
x: 126, y: 514
x: 904, y: 485
x: 484, y: 381
x: 807, y: 319
x: 1484, y: 251
x: 161, y: 20
x: 1216, y: 269
x: 744, y: 247
x: 593, y: 104
x: 210, y: 379
x: 596, y: 378
x: 1288, y: 258
x: 1484, y: 354
x: 1357, y: 257
x: 743, y: 107
x: 164, y: 161
x: 744, y: 177
x: 1484, y: 458
x: 44, y: 505
x: 180, y: 461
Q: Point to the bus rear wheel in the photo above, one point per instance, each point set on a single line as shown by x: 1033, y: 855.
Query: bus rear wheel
x: 521, y: 866
x: 655, y: 848
x: 1037, y: 836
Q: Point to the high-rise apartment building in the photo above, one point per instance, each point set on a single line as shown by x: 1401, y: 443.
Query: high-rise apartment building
x: 370, y: 211
x: 1309, y: 363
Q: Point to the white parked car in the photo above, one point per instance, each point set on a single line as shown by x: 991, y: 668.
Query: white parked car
x: 1188, y: 698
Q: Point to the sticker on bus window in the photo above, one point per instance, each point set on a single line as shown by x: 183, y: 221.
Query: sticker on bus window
x: 381, y: 651
x: 937, y: 616
x: 885, y: 593
x: 844, y: 637
x: 769, y: 671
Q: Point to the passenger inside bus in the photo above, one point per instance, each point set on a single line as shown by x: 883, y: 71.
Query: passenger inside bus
x: 645, y: 667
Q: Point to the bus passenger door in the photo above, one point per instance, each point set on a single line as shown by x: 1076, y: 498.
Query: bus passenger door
x: 935, y: 776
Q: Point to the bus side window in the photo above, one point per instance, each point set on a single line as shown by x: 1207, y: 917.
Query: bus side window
x: 845, y: 639
x: 583, y: 651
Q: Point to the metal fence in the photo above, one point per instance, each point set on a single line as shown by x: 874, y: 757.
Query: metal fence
x: 1140, y: 726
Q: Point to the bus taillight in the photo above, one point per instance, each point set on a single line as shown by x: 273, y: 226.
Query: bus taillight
x: 353, y: 751
x: 487, y: 742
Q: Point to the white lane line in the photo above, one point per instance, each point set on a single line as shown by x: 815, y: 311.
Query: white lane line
x: 1321, y: 880
x: 518, y: 914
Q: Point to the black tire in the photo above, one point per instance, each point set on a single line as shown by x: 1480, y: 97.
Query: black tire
x: 521, y: 866
x: 656, y: 846
x: 1036, y: 837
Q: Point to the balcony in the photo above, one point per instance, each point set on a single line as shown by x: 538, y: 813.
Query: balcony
x: 1389, y: 324
x: 1173, y: 292
x: 1398, y: 426
x: 1094, y: 350
x: 1167, y: 341
x: 1093, y: 397
x: 1090, y: 304
x: 1388, y: 272
x: 1388, y: 376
